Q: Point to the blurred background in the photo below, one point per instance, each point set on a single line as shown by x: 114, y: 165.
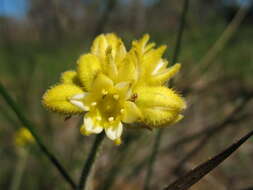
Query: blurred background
x: 41, y: 38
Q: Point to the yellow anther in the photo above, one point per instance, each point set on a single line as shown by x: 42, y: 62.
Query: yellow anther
x: 94, y: 103
x: 104, y: 92
x: 117, y: 141
x: 110, y: 119
x: 116, y: 96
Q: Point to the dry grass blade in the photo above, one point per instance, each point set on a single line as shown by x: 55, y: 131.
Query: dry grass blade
x: 200, y: 171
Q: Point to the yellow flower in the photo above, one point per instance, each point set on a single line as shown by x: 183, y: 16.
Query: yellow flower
x: 153, y: 69
x: 23, y: 137
x: 112, y: 86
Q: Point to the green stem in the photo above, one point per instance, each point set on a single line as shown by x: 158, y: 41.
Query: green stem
x: 20, y: 168
x: 30, y: 127
x: 180, y: 31
x: 90, y: 161
x: 152, y: 159
x: 158, y: 138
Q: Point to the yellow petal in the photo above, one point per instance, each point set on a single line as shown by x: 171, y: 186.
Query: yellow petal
x: 159, y: 105
x: 128, y: 70
x: 89, y: 126
x: 88, y: 67
x: 78, y: 100
x: 101, y: 82
x: 140, y: 44
x: 69, y: 77
x: 99, y: 45
x: 57, y: 98
x: 124, y: 89
x: 161, y: 78
x: 152, y: 58
x: 131, y: 113
x: 114, y: 132
x: 104, y: 41
x: 110, y: 67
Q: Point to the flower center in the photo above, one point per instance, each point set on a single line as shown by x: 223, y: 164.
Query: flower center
x: 109, y: 107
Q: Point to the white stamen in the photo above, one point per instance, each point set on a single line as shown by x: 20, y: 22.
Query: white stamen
x: 80, y: 105
x: 78, y: 96
x: 110, y: 119
x: 116, y: 96
x: 94, y: 103
x: 104, y: 92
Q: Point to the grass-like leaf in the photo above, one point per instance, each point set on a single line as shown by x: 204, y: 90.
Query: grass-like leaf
x: 192, y: 177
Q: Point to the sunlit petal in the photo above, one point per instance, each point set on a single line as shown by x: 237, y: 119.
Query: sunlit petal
x: 114, y: 132
x: 89, y: 126
x: 131, y: 113
x: 88, y: 68
x: 159, y: 105
x: 70, y: 77
x: 57, y: 98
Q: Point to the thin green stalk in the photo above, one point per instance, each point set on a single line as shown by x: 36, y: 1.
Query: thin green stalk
x: 152, y: 159
x: 180, y: 31
x: 158, y: 138
x: 20, y: 168
x: 220, y: 44
x: 14, y: 106
x: 90, y: 161
x: 119, y: 162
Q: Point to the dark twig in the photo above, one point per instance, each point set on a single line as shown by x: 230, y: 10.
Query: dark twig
x: 26, y: 123
x: 248, y: 188
x: 160, y: 132
x: 208, y: 134
x: 212, y: 129
x: 90, y: 161
x: 192, y: 177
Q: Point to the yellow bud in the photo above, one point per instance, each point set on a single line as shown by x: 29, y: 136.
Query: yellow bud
x: 23, y: 137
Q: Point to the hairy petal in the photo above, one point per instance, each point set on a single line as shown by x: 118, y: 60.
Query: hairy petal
x: 103, y: 42
x: 57, y: 99
x: 69, y: 77
x: 88, y: 68
x: 162, y: 77
x: 131, y: 112
x: 159, y: 105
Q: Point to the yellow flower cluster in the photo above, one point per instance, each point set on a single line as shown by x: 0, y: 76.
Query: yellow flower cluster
x: 112, y: 86
x: 23, y: 137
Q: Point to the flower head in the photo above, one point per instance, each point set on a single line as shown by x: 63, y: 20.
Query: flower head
x: 112, y: 86
x: 23, y: 137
